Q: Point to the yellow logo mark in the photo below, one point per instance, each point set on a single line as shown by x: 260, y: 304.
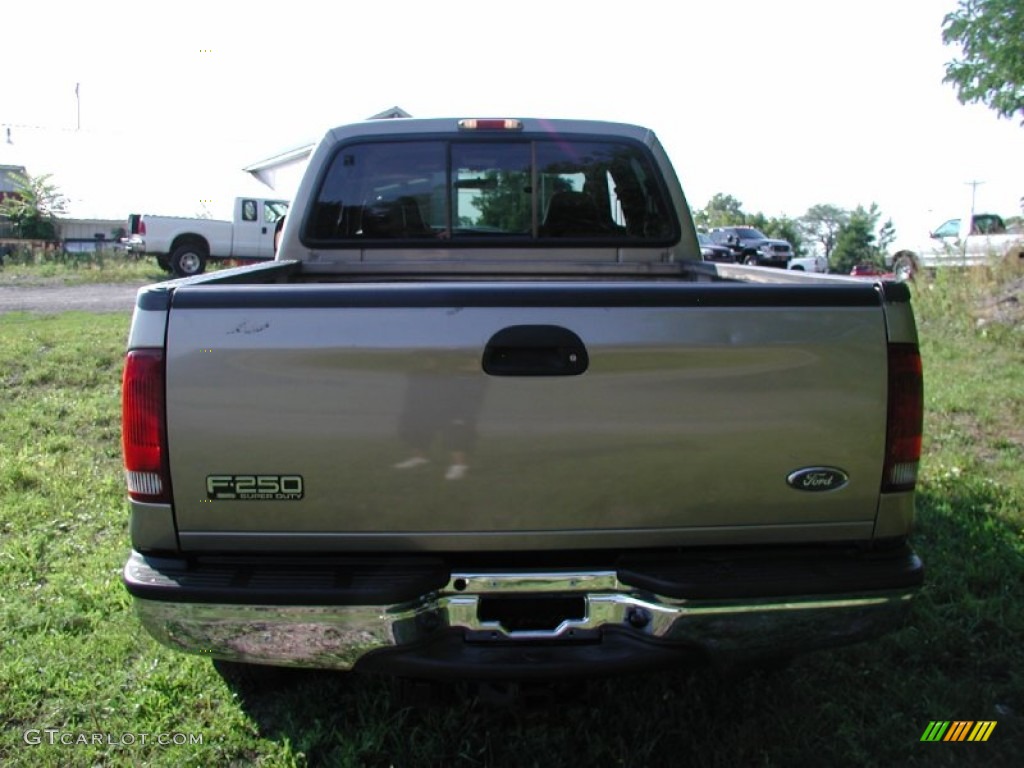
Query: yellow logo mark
x: 958, y: 730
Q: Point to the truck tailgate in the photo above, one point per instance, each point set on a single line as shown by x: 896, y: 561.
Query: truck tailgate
x: 350, y: 417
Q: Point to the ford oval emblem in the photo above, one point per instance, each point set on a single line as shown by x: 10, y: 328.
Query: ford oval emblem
x: 818, y: 479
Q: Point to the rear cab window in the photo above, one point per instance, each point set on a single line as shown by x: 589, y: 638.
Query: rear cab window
x: 491, y: 192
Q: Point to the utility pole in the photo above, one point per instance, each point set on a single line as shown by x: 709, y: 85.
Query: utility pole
x: 974, y: 190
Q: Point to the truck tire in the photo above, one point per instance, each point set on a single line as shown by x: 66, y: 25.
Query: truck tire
x: 189, y: 259
x: 164, y: 262
x: 904, y: 268
x: 750, y: 260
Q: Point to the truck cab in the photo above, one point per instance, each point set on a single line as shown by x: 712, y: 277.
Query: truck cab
x: 255, y: 221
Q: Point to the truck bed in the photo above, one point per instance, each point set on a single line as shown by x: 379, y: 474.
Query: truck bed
x: 700, y: 392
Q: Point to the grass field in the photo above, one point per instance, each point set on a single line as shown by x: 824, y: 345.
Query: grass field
x: 26, y: 268
x: 77, y: 269
x: 75, y: 664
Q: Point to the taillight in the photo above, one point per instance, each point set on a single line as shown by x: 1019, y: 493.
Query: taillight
x: 142, y: 426
x: 142, y: 227
x: 905, y: 418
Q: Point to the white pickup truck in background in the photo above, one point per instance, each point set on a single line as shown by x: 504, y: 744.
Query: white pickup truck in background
x: 184, y: 245
x: 958, y: 243
x: 809, y: 264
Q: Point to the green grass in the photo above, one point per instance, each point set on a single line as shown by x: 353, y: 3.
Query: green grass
x: 45, y: 268
x: 75, y: 659
x: 36, y: 268
x: 974, y: 377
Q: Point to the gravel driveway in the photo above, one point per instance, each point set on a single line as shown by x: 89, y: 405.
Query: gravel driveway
x: 46, y: 299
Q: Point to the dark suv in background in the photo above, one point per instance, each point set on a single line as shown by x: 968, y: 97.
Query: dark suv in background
x: 752, y: 246
x: 712, y: 251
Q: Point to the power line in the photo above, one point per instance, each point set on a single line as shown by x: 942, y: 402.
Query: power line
x: 30, y: 127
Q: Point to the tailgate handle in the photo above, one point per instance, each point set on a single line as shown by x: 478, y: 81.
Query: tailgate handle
x: 535, y: 350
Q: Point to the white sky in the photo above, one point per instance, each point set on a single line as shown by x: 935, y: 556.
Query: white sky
x: 782, y: 104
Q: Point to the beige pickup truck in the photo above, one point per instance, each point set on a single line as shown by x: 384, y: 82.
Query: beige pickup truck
x: 489, y: 415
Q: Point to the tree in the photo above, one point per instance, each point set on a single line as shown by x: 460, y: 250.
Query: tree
x: 786, y: 229
x: 990, y: 34
x: 502, y: 202
x: 782, y: 228
x: 855, y: 241
x: 822, y: 223
x: 33, y: 207
x: 886, y: 236
x: 721, y: 211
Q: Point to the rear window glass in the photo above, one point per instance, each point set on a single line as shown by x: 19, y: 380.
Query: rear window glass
x: 504, y: 191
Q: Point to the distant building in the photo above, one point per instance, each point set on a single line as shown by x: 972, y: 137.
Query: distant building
x: 283, y: 172
x: 76, y: 234
x: 7, y: 189
x: 6, y: 182
x: 86, y: 235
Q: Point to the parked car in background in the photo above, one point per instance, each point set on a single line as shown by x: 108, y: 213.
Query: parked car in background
x: 753, y: 247
x: 966, y: 242
x: 866, y: 270
x: 809, y: 264
x: 712, y: 251
x: 184, y: 245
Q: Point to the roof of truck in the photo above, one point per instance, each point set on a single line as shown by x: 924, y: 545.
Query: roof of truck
x: 509, y: 125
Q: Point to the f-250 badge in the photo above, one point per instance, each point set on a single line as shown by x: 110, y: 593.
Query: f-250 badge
x: 817, y: 479
x: 254, y: 487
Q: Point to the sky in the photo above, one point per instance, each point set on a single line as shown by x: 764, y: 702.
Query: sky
x: 782, y: 105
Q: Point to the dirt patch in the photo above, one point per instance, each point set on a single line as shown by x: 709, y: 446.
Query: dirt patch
x: 53, y: 298
x: 1005, y: 307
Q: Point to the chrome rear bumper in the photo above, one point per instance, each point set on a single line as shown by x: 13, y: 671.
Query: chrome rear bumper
x: 486, y: 622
